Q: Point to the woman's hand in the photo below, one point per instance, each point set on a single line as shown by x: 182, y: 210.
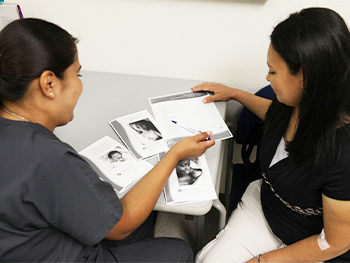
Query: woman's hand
x: 255, y: 104
x: 193, y: 147
x: 141, y: 199
x: 221, y: 92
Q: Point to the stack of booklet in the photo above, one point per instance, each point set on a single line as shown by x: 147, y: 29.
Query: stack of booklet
x: 177, y: 116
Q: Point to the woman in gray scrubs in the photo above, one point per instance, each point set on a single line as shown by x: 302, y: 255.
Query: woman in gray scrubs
x: 54, y: 208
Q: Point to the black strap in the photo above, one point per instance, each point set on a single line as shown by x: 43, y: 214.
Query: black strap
x: 253, y: 138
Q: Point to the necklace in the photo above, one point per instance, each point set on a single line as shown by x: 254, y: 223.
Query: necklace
x: 14, y: 114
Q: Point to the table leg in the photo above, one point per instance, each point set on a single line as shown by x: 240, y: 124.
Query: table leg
x: 200, y: 232
x: 222, y: 213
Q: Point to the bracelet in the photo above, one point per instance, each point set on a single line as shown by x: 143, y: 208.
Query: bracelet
x: 258, y: 258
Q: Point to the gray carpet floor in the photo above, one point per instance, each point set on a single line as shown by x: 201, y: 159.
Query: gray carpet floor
x: 185, y: 227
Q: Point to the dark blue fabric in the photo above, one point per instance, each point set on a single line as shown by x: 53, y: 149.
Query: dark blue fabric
x: 248, y: 133
x: 53, y: 205
x: 141, y: 246
x: 247, y: 119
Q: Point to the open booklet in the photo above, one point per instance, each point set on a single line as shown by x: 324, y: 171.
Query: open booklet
x: 140, y: 134
x: 116, y: 163
x: 188, y: 109
x: 189, y: 182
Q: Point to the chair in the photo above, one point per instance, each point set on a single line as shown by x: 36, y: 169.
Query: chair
x: 248, y: 134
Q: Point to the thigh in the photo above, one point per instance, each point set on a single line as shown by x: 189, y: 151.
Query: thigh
x: 153, y: 250
x: 246, y: 234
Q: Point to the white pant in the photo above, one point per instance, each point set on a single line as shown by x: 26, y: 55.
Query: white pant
x: 246, y: 235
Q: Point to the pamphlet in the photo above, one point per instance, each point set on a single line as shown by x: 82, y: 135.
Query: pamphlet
x: 188, y: 109
x: 117, y: 165
x: 140, y: 134
x: 189, y: 182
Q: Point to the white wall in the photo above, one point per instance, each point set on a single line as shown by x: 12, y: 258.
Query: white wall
x: 223, y: 41
x: 214, y: 40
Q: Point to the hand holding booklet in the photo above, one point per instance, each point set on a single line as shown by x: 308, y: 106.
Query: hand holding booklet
x: 177, y: 116
x: 188, y: 110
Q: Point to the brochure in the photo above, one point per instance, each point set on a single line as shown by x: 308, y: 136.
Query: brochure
x: 140, y: 134
x: 188, y: 109
x: 189, y: 182
x: 117, y: 165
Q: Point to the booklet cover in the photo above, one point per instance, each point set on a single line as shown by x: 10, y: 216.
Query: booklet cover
x: 116, y: 163
x: 140, y: 134
x: 189, y: 182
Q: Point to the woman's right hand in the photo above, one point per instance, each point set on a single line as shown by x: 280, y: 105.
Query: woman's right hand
x: 221, y: 92
x: 193, y: 147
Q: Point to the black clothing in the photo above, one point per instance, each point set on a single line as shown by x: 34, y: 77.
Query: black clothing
x: 301, y: 186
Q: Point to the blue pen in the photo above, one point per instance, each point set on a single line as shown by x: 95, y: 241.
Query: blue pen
x: 189, y: 128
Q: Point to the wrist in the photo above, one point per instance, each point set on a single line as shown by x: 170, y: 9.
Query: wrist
x: 175, y: 153
x: 258, y: 258
x: 236, y: 94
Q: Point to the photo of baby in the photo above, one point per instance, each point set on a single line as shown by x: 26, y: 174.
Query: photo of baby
x: 145, y: 131
x: 114, y: 158
x: 188, y: 171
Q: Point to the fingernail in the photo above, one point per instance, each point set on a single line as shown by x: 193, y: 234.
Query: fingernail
x: 205, y: 100
x: 210, y: 132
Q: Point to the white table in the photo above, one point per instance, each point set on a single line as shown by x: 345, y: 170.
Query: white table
x: 107, y: 96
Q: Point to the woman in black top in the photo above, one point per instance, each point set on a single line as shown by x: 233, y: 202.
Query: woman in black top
x: 304, y: 204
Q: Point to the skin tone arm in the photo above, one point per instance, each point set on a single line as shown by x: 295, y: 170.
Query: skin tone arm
x: 337, y: 231
x: 139, y: 202
x: 254, y: 103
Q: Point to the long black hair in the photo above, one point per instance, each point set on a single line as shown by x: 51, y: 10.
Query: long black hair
x: 317, y: 41
x: 28, y: 47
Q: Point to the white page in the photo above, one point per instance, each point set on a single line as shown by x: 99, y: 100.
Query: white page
x: 189, y: 182
x: 140, y: 134
x: 187, y: 108
x: 116, y: 163
x: 8, y: 13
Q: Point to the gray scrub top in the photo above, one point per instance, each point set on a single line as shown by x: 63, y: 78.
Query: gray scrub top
x: 54, y: 207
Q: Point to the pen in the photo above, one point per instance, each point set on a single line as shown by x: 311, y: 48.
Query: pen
x: 189, y: 128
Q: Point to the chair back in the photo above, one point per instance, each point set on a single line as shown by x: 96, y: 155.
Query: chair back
x: 247, y: 119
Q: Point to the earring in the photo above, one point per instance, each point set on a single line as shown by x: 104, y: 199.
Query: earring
x: 51, y: 93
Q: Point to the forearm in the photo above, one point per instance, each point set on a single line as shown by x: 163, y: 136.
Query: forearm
x: 306, y: 250
x: 141, y: 199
